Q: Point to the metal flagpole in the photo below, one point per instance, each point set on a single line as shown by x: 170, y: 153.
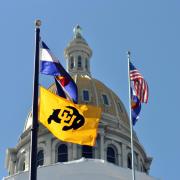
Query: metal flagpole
x: 34, y: 128
x: 130, y: 118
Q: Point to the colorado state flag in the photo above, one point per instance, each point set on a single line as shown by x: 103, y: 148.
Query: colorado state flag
x: 68, y: 121
x: 51, y: 66
x: 135, y: 107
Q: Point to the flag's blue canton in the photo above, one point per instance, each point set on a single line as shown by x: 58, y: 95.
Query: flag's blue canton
x: 135, y: 107
x: 51, y: 66
x: 131, y: 66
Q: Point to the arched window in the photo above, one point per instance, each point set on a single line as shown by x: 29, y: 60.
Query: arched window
x: 129, y: 162
x: 62, y: 153
x: 72, y: 62
x: 79, y: 62
x: 40, y: 158
x: 111, y: 155
x: 87, y: 152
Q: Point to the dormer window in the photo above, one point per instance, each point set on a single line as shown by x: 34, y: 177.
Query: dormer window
x: 79, y: 62
x: 105, y: 100
x: 86, y: 95
x: 72, y: 62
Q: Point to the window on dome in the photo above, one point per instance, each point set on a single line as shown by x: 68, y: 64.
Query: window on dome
x: 40, y: 158
x: 87, y: 152
x: 62, y: 153
x: 86, y: 95
x: 129, y: 163
x: 105, y: 99
x: 72, y: 62
x: 79, y: 62
x: 112, y: 155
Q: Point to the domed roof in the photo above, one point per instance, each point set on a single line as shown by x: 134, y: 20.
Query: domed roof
x: 78, y: 54
x: 113, y: 108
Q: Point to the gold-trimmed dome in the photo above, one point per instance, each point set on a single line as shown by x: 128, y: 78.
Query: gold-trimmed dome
x: 78, y: 54
x: 96, y: 89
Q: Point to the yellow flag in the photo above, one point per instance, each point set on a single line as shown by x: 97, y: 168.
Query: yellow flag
x: 68, y: 121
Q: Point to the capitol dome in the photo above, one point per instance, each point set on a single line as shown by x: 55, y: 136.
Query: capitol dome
x: 113, y: 140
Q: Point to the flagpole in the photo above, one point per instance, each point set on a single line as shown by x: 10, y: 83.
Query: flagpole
x: 130, y: 119
x: 34, y: 128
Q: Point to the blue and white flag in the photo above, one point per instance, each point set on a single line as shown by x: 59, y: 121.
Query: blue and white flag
x: 51, y: 66
x: 49, y: 63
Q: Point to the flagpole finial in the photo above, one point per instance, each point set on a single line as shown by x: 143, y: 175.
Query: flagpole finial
x: 38, y: 23
x: 128, y: 54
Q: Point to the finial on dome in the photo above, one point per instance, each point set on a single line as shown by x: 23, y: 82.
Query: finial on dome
x: 77, y: 31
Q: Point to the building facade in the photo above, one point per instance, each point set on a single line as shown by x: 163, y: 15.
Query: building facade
x: 113, y: 140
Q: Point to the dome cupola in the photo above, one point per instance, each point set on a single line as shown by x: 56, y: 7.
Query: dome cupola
x: 78, y: 54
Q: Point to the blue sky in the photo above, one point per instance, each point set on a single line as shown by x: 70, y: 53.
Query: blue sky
x: 150, y: 29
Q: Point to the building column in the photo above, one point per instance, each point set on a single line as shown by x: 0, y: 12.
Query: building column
x: 139, y: 163
x: 120, y: 156
x: 48, y: 154
x: 70, y: 152
x: 27, y: 158
x: 124, y: 156
x: 102, y: 133
x: 74, y: 151
x: 11, y: 168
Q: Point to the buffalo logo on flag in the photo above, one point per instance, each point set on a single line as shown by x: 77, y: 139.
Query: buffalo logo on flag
x: 68, y: 121
x: 69, y: 115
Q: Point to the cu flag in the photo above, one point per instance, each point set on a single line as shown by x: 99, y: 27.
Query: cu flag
x: 69, y: 115
x: 68, y: 121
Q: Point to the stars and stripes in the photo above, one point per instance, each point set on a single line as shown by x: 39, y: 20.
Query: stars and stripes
x: 139, y: 83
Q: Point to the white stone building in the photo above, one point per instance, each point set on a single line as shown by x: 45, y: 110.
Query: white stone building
x: 110, y: 158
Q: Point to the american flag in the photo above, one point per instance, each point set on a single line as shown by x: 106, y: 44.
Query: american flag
x: 139, y: 83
